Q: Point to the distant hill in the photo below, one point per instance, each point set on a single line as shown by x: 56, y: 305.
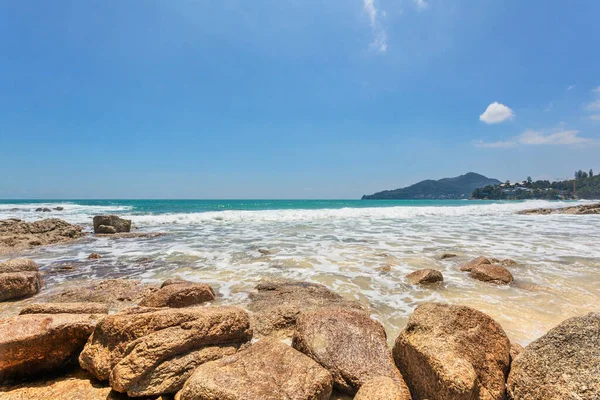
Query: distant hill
x: 460, y: 187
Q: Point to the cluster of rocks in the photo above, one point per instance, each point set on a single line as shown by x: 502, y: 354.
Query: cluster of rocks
x: 46, y: 209
x: 16, y: 235
x: 585, y: 209
x: 111, y: 224
x: 173, y: 343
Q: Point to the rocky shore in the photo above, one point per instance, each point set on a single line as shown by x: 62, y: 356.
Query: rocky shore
x: 586, y: 209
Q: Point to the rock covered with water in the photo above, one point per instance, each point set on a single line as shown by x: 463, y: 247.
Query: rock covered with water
x: 31, y: 344
x: 468, y: 266
x: 276, y: 305
x: 382, y: 388
x: 19, y: 278
x: 149, y: 352
x: 267, y: 370
x: 349, y: 344
x: 178, y: 294
x: 424, y: 277
x: 492, y: 273
x: 94, y: 256
x: 16, y: 235
x: 562, y: 364
x: 453, y: 352
x: 585, y: 209
x: 111, y: 224
x: 65, y: 308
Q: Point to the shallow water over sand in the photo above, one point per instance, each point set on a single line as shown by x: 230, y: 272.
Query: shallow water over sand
x: 362, y: 253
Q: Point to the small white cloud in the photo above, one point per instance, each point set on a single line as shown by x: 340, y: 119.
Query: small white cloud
x: 496, y: 113
x: 570, y: 87
x: 596, y: 90
x: 379, y: 42
x: 594, y: 117
x: 532, y: 138
x: 421, y: 4
x: 496, y: 145
x: 593, y: 106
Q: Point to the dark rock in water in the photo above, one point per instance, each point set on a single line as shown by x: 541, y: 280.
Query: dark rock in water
x: 445, y: 256
x: 492, y: 273
x: 46, y: 209
x: 18, y: 235
x: 266, y: 370
x: 276, y: 305
x: 382, y: 388
x: 562, y: 364
x: 94, y: 256
x: 119, y: 224
x: 107, y: 229
x: 148, y: 353
x: 178, y: 295
x: 349, y: 344
x: 424, y: 276
x: 58, y: 208
x: 19, y: 278
x: 39, y: 209
x: 468, y: 266
x: 585, y: 209
x: 65, y: 308
x: 453, y: 352
x: 31, y: 344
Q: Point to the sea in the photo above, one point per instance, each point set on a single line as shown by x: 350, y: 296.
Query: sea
x: 361, y: 249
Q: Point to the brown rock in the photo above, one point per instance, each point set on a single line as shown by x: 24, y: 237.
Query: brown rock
x: 18, y: 265
x: 175, y: 281
x: 16, y: 285
x: 267, y: 370
x: 349, y: 344
x: 116, y: 293
x: 492, y: 273
x: 585, y: 209
x: 94, y: 256
x: 179, y: 295
x: 31, y: 344
x: 148, y: 353
x: 507, y: 262
x: 564, y: 364
x: 453, y: 352
x: 445, y: 256
x: 473, y: 263
x: 65, y: 308
x: 424, y: 276
x: 117, y: 224
x: 276, y: 305
x: 18, y: 235
x: 515, y: 350
x: 382, y: 388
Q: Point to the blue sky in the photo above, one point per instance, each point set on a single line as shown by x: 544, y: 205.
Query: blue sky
x: 292, y: 99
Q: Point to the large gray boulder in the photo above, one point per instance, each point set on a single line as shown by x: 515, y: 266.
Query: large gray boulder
x: 111, y: 224
x: 564, y: 364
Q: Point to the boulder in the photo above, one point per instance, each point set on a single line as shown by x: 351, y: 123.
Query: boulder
x: 466, y: 267
x: 492, y: 273
x: 94, y: 256
x: 117, y: 224
x: 382, y: 388
x: 179, y: 295
x: 424, y: 276
x: 16, y: 285
x: 445, y: 256
x: 349, y: 344
x: 515, y: 350
x: 106, y: 229
x: 65, y: 308
x: 18, y: 235
x: 149, y: 352
x: 453, y: 352
x: 276, y: 305
x: 267, y: 370
x: 174, y: 281
x: 19, y: 265
x: 31, y: 344
x: 562, y: 364
x: 58, y: 208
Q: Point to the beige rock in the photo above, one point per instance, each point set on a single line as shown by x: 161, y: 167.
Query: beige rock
x: 424, y: 276
x: 65, y: 308
x: 18, y: 235
x: 31, y: 344
x: 267, y: 370
x: 15, y: 285
x: 453, y: 352
x: 179, y: 295
x: 382, y: 388
x: 94, y: 256
x: 473, y: 263
x: 147, y: 353
x: 515, y: 350
x: 564, y: 364
x: 18, y: 265
x: 584, y: 209
x: 492, y: 273
x: 115, y: 222
x: 276, y: 305
x: 349, y: 344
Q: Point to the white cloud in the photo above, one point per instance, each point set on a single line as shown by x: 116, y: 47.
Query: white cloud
x: 421, y: 4
x: 570, y: 87
x: 496, y: 113
x: 379, y: 42
x: 596, y: 90
x: 593, y: 106
x: 594, y: 117
x: 496, y: 145
x: 532, y: 138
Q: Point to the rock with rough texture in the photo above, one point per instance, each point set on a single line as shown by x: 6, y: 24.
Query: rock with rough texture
x: 515, y: 350
x: 424, y: 276
x: 276, y: 305
x: 145, y: 352
x: 65, y: 308
x: 349, y: 344
x: 468, y: 266
x: 445, y: 256
x: 453, y: 352
x: 564, y: 364
x: 16, y: 285
x: 116, y: 293
x: 492, y: 273
x: 16, y: 235
x: 382, y: 388
x: 117, y: 224
x: 174, y: 281
x: 585, y: 209
x: 18, y: 265
x: 94, y: 256
x: 178, y: 295
x: 31, y: 344
x: 267, y: 370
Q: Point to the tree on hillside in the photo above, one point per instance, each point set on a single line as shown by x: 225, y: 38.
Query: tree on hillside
x: 591, y: 173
